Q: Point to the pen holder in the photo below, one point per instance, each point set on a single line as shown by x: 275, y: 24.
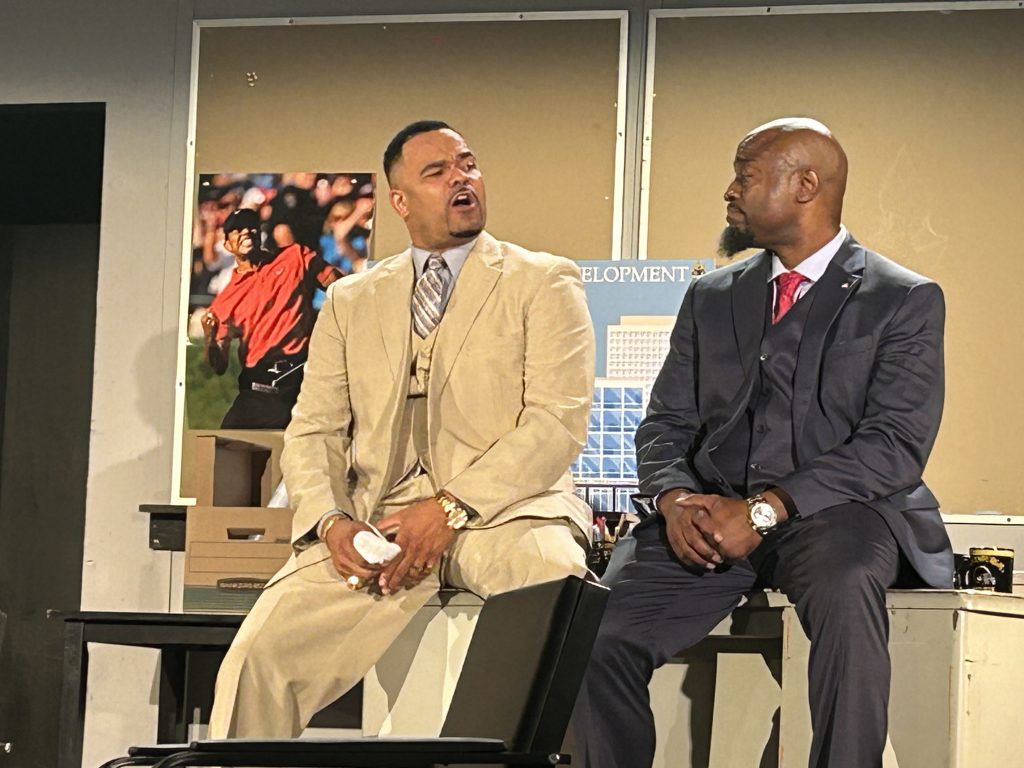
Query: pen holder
x: 600, y: 554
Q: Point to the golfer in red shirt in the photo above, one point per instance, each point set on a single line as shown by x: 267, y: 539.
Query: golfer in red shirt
x: 268, y: 307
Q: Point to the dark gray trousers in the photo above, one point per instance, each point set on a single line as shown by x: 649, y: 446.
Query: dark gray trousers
x: 834, y: 566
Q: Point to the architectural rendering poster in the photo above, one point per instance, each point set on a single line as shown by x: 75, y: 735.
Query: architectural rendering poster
x: 264, y: 248
x: 634, y: 306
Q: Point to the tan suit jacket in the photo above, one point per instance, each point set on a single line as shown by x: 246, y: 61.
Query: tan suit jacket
x: 509, y: 395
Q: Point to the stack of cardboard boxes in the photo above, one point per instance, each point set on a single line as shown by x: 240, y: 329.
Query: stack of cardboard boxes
x: 234, y: 542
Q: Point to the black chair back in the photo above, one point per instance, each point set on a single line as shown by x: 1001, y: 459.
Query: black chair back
x: 525, y: 665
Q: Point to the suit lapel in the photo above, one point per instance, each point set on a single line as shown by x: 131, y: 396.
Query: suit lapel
x: 831, y: 292
x: 748, y: 307
x: 393, y: 296
x: 392, y: 293
x: 476, y: 281
x: 749, y: 296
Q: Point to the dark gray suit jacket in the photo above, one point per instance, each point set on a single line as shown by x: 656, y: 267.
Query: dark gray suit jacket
x: 867, y: 395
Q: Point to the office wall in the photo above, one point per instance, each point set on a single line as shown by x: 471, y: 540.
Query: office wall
x: 930, y: 109
x: 133, y: 57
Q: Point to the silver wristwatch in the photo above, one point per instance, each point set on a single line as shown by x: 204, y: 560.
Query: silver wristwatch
x: 761, y: 515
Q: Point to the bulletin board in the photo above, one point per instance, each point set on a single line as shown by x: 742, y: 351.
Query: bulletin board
x: 538, y: 97
x: 930, y: 109
x: 537, y: 100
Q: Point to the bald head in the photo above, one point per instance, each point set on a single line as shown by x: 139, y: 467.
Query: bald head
x: 804, y: 145
x: 789, y: 187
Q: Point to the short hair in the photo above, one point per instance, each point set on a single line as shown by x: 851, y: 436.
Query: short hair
x: 394, y: 151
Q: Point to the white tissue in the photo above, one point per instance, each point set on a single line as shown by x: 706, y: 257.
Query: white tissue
x: 374, y: 549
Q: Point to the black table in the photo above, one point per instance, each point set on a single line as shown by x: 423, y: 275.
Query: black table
x: 176, y: 635
x: 191, y: 646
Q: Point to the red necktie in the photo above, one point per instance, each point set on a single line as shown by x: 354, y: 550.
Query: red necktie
x: 788, y: 282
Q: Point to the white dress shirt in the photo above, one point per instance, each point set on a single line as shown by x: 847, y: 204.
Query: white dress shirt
x: 812, y: 268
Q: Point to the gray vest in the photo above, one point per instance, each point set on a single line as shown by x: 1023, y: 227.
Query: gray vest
x: 759, y: 450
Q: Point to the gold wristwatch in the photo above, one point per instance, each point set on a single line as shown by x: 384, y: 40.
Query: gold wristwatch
x: 456, y: 514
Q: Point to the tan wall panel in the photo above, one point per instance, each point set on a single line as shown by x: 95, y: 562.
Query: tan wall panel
x: 536, y: 101
x: 930, y: 108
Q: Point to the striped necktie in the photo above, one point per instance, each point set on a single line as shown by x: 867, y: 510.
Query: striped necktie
x: 428, y: 297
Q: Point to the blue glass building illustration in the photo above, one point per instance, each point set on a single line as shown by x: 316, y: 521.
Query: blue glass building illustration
x: 633, y: 308
x: 610, y: 454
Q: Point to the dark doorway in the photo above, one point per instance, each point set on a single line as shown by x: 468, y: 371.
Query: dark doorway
x: 51, y: 165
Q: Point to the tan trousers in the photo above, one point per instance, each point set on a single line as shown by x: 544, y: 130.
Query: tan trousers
x: 309, y: 638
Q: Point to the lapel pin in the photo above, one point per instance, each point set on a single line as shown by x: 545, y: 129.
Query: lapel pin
x: 845, y: 285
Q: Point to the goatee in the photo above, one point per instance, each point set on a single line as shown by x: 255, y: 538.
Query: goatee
x: 734, y: 240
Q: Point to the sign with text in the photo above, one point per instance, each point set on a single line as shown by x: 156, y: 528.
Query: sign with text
x: 638, y: 293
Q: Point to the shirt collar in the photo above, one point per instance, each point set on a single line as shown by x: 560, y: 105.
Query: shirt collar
x: 453, y: 257
x: 814, y: 266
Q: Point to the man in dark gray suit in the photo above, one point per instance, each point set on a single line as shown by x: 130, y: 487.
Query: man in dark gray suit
x: 784, y: 446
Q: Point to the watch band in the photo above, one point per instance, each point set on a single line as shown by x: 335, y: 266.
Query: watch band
x: 457, y: 515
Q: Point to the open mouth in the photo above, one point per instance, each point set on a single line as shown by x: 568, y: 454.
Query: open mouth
x: 464, y: 199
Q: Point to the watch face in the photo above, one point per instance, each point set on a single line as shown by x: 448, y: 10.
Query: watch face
x: 762, y: 514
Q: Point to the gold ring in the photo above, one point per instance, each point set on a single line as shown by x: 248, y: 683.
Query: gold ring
x: 354, y: 582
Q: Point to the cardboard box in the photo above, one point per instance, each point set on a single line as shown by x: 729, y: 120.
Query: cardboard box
x: 269, y: 439
x: 231, y: 473
x: 230, y: 553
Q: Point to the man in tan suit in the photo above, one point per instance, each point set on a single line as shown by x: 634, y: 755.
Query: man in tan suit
x: 446, y: 394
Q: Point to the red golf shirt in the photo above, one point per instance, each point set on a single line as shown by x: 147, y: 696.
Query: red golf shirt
x: 270, y: 308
